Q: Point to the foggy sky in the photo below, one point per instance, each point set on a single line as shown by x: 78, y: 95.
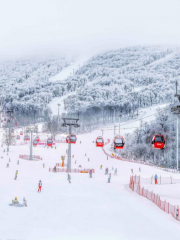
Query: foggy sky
x: 80, y: 27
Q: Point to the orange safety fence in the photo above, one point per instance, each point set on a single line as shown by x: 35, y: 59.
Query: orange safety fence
x: 72, y: 170
x: 155, y: 198
x: 60, y: 165
x: 26, y: 157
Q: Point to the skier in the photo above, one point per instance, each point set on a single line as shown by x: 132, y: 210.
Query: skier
x: 131, y: 170
x: 115, y: 172
x: 107, y: 157
x: 109, y: 178
x: 101, y: 166
x: 24, y: 202
x: 18, y: 162
x: 85, y: 154
x: 75, y: 161
x: 39, y: 186
x: 4, y: 150
x: 139, y: 169
x: 112, y: 168
x: 43, y: 165
x: 54, y: 168
x: 90, y: 173
x: 88, y: 160
x: 69, y: 178
x: 156, y: 178
x: 55, y: 147
x: 80, y: 142
x: 15, y: 201
x: 16, y: 175
x: 7, y: 165
x: 9, y: 160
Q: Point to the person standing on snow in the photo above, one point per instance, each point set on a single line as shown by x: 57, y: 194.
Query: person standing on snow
x: 39, y: 186
x: 156, y: 178
x: 16, y: 175
x: 24, y: 202
x: 69, y: 178
x: 7, y: 165
x: 112, y: 168
x: 15, y: 201
x: 43, y: 165
x: 109, y: 178
x: 115, y: 172
x: 101, y: 166
x: 90, y: 173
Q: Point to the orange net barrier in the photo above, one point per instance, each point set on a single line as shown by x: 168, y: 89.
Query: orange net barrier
x: 26, y: 157
x: 72, y: 170
x: 155, y: 198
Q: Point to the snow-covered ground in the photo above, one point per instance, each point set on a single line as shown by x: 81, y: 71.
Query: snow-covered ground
x: 86, y: 208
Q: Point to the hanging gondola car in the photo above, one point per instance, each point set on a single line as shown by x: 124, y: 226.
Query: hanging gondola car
x: 26, y: 137
x: 21, y: 133
x: 119, y: 142
x: 35, y: 143
x: 37, y: 138
x: 67, y: 139
x: 99, y: 142
x: 158, y: 142
x: 49, y: 142
x: 18, y: 137
x: 73, y: 138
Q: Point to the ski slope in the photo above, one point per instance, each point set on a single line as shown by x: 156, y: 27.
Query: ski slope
x: 86, y: 208
x: 69, y: 70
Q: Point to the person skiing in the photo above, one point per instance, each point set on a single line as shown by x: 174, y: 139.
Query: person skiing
x: 55, y: 169
x: 9, y: 160
x: 88, y: 159
x: 131, y: 170
x: 43, y: 165
x: 109, y: 178
x: 16, y: 175
x: 139, y: 169
x: 115, y: 172
x: 24, y: 202
x: 101, y: 166
x: 90, y: 173
x: 69, y: 178
x: 18, y: 162
x: 85, y: 154
x: 7, y: 165
x: 39, y: 186
x: 156, y: 178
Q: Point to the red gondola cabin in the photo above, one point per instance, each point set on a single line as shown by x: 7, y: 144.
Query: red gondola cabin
x: 158, y: 142
x: 99, y: 142
x: 119, y: 142
x: 37, y: 139
x: 73, y: 139
x: 49, y: 142
x: 26, y: 138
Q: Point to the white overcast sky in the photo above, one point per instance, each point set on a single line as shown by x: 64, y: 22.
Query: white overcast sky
x: 36, y: 27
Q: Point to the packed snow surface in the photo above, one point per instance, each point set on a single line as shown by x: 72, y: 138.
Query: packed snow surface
x: 85, y: 209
